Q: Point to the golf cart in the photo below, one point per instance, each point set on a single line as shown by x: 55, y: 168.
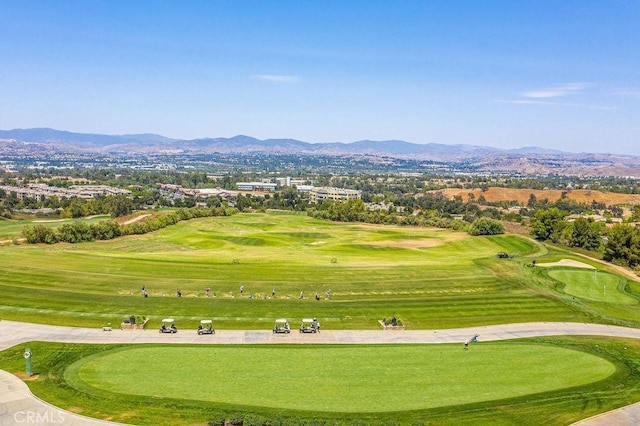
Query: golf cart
x: 309, y: 325
x: 168, y: 326
x: 281, y: 326
x: 206, y: 327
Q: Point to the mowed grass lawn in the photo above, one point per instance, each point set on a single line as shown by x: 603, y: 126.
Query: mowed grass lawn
x: 553, y: 380
x: 428, y: 278
x: 339, y: 378
x: 593, y: 285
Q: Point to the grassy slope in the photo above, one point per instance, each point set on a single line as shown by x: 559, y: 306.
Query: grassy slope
x: 429, y: 278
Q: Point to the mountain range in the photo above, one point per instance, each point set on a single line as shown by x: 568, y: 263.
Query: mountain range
x: 528, y: 160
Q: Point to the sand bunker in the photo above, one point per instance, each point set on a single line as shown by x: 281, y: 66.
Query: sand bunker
x: 567, y: 262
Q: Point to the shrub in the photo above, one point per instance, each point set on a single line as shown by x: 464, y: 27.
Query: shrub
x: 217, y: 420
x: 236, y: 419
x: 486, y: 226
x: 39, y: 234
x: 253, y: 420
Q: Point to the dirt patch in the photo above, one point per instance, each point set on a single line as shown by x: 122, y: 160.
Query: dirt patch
x: 23, y: 376
x: 495, y: 194
x: 418, y: 243
x: 136, y: 219
x: 567, y: 262
x: 516, y: 228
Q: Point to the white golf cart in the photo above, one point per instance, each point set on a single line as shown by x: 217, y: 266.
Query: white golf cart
x: 168, y: 326
x: 309, y: 325
x: 281, y: 326
x: 206, y: 327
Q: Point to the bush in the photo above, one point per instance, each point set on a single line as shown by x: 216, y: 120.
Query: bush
x: 236, y: 419
x: 39, y: 234
x: 254, y: 420
x: 217, y: 420
x: 486, y: 226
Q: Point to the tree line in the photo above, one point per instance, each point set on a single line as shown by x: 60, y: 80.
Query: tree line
x: 618, y: 244
x: 79, y: 231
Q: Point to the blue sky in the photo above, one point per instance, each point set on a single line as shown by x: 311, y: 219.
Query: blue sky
x: 562, y: 74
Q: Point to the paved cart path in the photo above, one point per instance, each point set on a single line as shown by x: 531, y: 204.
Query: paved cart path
x: 17, y: 402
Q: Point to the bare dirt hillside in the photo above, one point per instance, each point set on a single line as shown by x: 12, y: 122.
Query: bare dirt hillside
x: 495, y: 194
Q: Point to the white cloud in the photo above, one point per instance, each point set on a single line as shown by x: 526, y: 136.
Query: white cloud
x: 550, y: 103
x: 276, y: 78
x: 556, y: 90
x: 633, y: 92
x: 547, y: 96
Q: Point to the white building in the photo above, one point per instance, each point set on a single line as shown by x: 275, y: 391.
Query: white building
x: 256, y: 186
x: 321, y: 194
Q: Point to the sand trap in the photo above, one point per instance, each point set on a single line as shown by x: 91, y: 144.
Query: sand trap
x: 567, y: 262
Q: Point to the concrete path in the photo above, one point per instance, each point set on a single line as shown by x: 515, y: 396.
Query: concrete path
x: 16, y: 401
x: 18, y: 406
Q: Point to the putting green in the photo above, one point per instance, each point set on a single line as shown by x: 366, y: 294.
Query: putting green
x: 338, y: 378
x: 592, y: 285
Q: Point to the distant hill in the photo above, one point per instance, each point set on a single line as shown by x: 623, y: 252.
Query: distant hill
x: 81, y: 140
x: 522, y: 160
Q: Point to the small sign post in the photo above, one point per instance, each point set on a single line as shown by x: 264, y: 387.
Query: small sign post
x: 27, y: 357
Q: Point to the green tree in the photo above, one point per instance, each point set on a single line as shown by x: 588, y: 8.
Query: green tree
x: 74, y: 209
x: 547, y: 223
x: 623, y: 245
x: 586, y: 233
x: 120, y: 205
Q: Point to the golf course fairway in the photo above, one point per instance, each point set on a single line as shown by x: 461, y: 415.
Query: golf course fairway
x: 369, y: 378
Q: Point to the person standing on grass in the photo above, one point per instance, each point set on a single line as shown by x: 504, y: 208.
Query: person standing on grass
x: 466, y: 345
x: 241, y: 290
x: 273, y: 293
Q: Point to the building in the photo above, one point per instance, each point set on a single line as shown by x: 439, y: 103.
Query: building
x: 41, y: 191
x: 321, y: 194
x: 177, y: 191
x: 304, y: 188
x: 283, y: 181
x: 256, y: 186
